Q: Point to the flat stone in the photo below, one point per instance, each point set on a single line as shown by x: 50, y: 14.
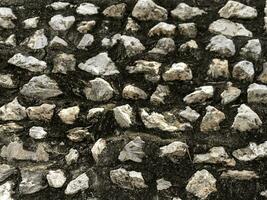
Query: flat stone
x: 230, y: 94
x: 162, y: 29
x: 6, y: 171
x: 218, y: 68
x: 56, y: 178
x: 6, y: 190
x: 6, y: 81
x: 134, y: 93
x: 239, y: 175
x: 98, y: 148
x: 243, y: 70
x: 72, y: 156
x: 37, y: 132
x: 124, y: 115
x: 80, y: 183
x: 78, y: 134
x: 162, y: 184
x: 263, y: 76
x: 132, y: 45
x: 38, y: 40
x: 158, y: 97
x: 116, y: 11
x: 185, y: 12
x: 257, y: 93
x: 12, y: 111
x: 252, y: 50
x: 174, y: 151
x: 163, y: 46
x: 178, y: 71
x: 69, y: 115
x: 87, y: 9
x: 86, y: 41
x: 188, y: 30
x: 189, y: 114
x: 31, y: 22
x: 200, y: 95
x: 86, y: 26
x: 43, y: 112
x: 61, y: 23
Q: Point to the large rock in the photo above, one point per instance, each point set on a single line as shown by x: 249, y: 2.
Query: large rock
x: 43, y: 112
x: 12, y: 111
x: 80, y: 183
x: 200, y: 95
x: 174, y: 151
x: 6, y: 190
x: 243, y: 70
x: 63, y: 63
x: 186, y: 12
x: 257, y: 93
x: 218, y: 68
x: 61, y: 23
x: 252, y: 50
x: 37, y: 41
x: 6, y: 171
x: 87, y: 9
x: 124, y: 115
x: 178, y: 71
x: 56, y: 178
x: 162, y: 29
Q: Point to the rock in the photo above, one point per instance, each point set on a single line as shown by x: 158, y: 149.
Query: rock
x: 212, y: 119
x: 28, y: 62
x: 185, y: 12
x: 72, y: 156
x: 56, y: 178
x: 243, y: 70
x: 178, y: 71
x: 189, y: 114
x: 37, y: 132
x: 95, y: 113
x: 174, y: 151
x: 10, y: 128
x: 162, y: 184
x: 127, y: 179
x: 132, y: 45
x: 201, y: 184
x: 98, y: 148
x: 41, y: 87
x: 239, y: 175
x: 264, y: 193
x: 133, y: 151
x: 100, y: 64
x: 6, y: 190
x: 188, y: 30
x: 146, y: 10
x: 229, y: 28
x: 57, y: 42
x: 218, y: 68
x: 110, y: 42
x: 6, y: 17
x: 216, y: 155
x: 251, y: 152
x: 116, y: 11
x: 134, y: 93
x: 80, y: 183
x: 162, y: 29
x: 188, y: 46
x: 263, y: 76
x: 12, y: 111
x: 38, y: 40
x: 230, y: 94
x: 98, y: 90
x: 11, y: 41
x: 43, y: 112
x: 87, y: 9
x: 246, y: 119
x: 78, y: 134
x: 69, y: 115
x: 164, y: 46
x: 252, y: 50
x: 234, y: 9
x: 31, y: 22
x: 131, y: 25
x: 124, y: 115
x: 161, y: 92
x: 6, y: 81
x: 59, y: 5
x: 15, y: 151
x: 61, y: 23
x: 5, y: 172
x: 222, y: 46
x: 86, y: 41
x: 86, y: 26
x: 257, y: 93
x: 63, y: 63
x: 200, y: 95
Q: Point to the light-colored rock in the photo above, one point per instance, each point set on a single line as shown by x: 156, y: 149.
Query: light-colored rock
x: 59, y: 5
x: 110, y: 42
x: 163, y: 46
x: 132, y: 25
x: 78, y: 134
x: 178, y: 71
x: 188, y: 30
x: 189, y: 114
x: 257, y: 93
x: 218, y: 68
x: 133, y: 151
x: 72, y: 156
x: 86, y: 26
x: 161, y: 92
x: 162, y: 184
x: 263, y: 76
x: 43, y: 112
x: 132, y: 45
x: 37, y: 132
x: 185, y: 12
x: 243, y: 70
x: 69, y: 115
x: 63, y: 63
x: 174, y: 151
x: 94, y: 113
x: 239, y: 175
x: 6, y: 81
x: 80, y: 183
x: 200, y: 95
x: 6, y: 190
x: 124, y: 115
x: 31, y: 22
x: 87, y: 9
x: 229, y: 28
x: 162, y: 29
x: 201, y: 184
x: 116, y: 11
x: 188, y: 46
x: 230, y: 94
x: 246, y: 119
x: 6, y: 17
x: 58, y: 42
x: 10, y: 128
x: 6, y: 171
x: 12, y: 111
x: 252, y: 50
x: 264, y: 193
x: 61, y: 23
x: 11, y: 41
x: 86, y: 41
x: 37, y: 41
x: 98, y: 148
x: 134, y: 93
x: 56, y: 178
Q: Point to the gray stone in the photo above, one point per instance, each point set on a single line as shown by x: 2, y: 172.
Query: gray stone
x: 230, y: 94
x: 186, y: 12
x: 38, y: 40
x: 162, y: 184
x: 86, y: 26
x: 164, y: 46
x: 12, y: 111
x: 63, y: 63
x: 69, y: 115
x: 263, y: 76
x: 124, y: 115
x: 10, y: 128
x: 174, y: 151
x: 134, y: 93
x: 188, y: 30
x: 6, y: 190
x: 6, y: 17
x: 78, y: 134
x: 158, y: 97
x: 188, y: 46
x: 218, y: 68
x: 178, y: 71
x: 58, y: 42
x: 11, y: 41
x: 243, y: 70
x: 162, y: 29
x: 87, y: 9
x: 239, y: 175
x: 95, y: 113
x: 200, y: 95
x: 116, y: 11
x: 80, y: 183
x: 132, y: 45
x: 61, y: 23
x: 132, y: 25
x: 72, y: 156
x: 6, y: 171
x: 59, y: 5
x: 37, y: 132
x: 56, y: 178
x: 6, y: 81
x: 43, y: 112
x: 252, y: 50
x: 264, y: 193
x: 31, y: 22
x: 189, y: 114
x: 257, y: 93
x: 98, y: 148
x: 86, y: 41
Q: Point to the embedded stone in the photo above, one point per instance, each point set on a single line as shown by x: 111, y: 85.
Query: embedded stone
x: 162, y: 184
x: 37, y: 132
x: 185, y: 12
x: 31, y: 22
x: 57, y: 42
x: 160, y: 94
x: 78, y: 134
x: 87, y: 9
x: 178, y: 71
x: 174, y: 151
x: 189, y: 114
x: 230, y: 94
x: 56, y: 178
x: 263, y: 76
x: 86, y: 26
x: 200, y: 95
x: 72, y: 156
x: 63, y: 63
x: 116, y: 11
x: 98, y: 148
x: 13, y: 111
x: 69, y: 115
x: 43, y: 112
x: 257, y: 93
x: 124, y: 115
x: 6, y: 81
x: 6, y: 190
x: 6, y: 17
x: 86, y: 41
x: 164, y: 46
x: 59, y: 5
x: 134, y: 93
x: 61, y: 23
x: 239, y: 175
x: 188, y: 46
x: 132, y: 45
x: 132, y: 25
x: 243, y: 70
x: 80, y: 183
x: 188, y: 30
x: 252, y: 50
x: 162, y: 29
x: 38, y: 40
x: 6, y: 171
x: 218, y: 68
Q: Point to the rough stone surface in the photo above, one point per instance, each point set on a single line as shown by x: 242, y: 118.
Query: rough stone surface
x: 56, y: 178
x: 178, y: 71
x: 186, y: 12
x: 244, y: 70
x: 12, y: 111
x: 174, y: 151
x: 78, y: 184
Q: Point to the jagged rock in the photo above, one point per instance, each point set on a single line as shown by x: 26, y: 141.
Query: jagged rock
x: 98, y: 90
x: 127, y: 179
x: 61, y: 23
x: 164, y: 46
x: 234, y: 9
x: 37, y: 132
x: 230, y: 94
x: 86, y: 41
x: 132, y: 45
x: 189, y: 114
x: 15, y: 151
x: 201, y: 184
x: 6, y: 81
x: 58, y: 42
x: 116, y: 10
x: 6, y: 190
x: 72, y: 156
x: 200, y: 95
x: 43, y: 112
x: 188, y: 30
x: 252, y: 50
x: 101, y: 64
x: 229, y: 28
x: 87, y: 9
x: 78, y: 134
x: 38, y: 40
x: 63, y: 63
x: 186, y: 12
x: 56, y: 178
x: 59, y: 5
x: 189, y: 45
x: 134, y: 93
x: 161, y: 92
x: 263, y: 76
x: 41, y: 87
x: 246, y: 119
x: 251, y: 152
x: 178, y: 71
x: 133, y: 151
x: 69, y: 115
x: 221, y: 45
x: 6, y: 17
x: 216, y: 155
x: 162, y: 29
x: 162, y: 184
x: 31, y: 22
x: 174, y: 151
x: 239, y: 175
x: 11, y: 41
x: 110, y: 42
x: 212, y: 119
x: 86, y: 26
x: 98, y: 148
x: 6, y: 171
x: 131, y: 25
x: 243, y: 70
x: 257, y: 93
x: 124, y: 115
x: 146, y: 10
x: 12, y: 111
x: 218, y: 68
x: 80, y: 183
x: 28, y: 62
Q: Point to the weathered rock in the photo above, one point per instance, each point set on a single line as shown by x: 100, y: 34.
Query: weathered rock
x: 12, y: 111
x: 200, y: 95
x: 264, y: 193
x: 132, y: 45
x: 6, y: 17
x: 56, y: 178
x: 6, y: 171
x: 6, y: 190
x: 161, y: 92
x: 188, y: 46
x: 243, y: 70
x: 78, y: 134
x: 61, y: 23
x: 178, y: 71
x: 257, y: 93
x: 186, y: 12
x: 202, y: 184
x: 133, y: 151
x: 10, y: 128
x: 63, y: 63
x: 43, y: 112
x: 234, y: 9
x: 189, y: 114
x: 230, y: 94
x: 124, y: 115
x: 174, y: 151
x: 127, y: 179
x: 86, y: 26
x: 37, y: 132
x: 58, y: 42
x: 69, y: 115
x: 87, y: 9
x: 163, y: 46
x: 146, y: 10
x: 11, y: 41
x: 239, y: 175
x: 59, y: 5
x: 116, y: 10
x: 246, y: 119
x: 162, y: 184
x: 132, y: 25
x: 252, y: 50
x: 98, y: 148
x: 6, y: 81
x: 162, y: 29
x: 31, y: 22
x: 28, y: 62
x: 229, y: 28
x: 86, y: 41
x: 218, y: 68
x: 80, y: 183
x: 95, y: 113
x: 188, y: 30
x: 38, y: 40
x: 134, y: 93
x: 263, y: 76
x: 72, y: 156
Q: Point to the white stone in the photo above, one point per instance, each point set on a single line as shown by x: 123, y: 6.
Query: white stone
x: 56, y: 178
x: 252, y: 50
x: 58, y: 42
x: 87, y: 9
x: 162, y: 29
x: 257, y: 93
x: 263, y: 76
x: 63, y: 63
x: 6, y: 190
x: 11, y: 41
x: 124, y: 115
x: 189, y: 114
x: 134, y: 93
x: 72, y: 156
x: 86, y: 41
x: 6, y: 17
x: 174, y: 151
x: 6, y: 171
x: 12, y: 111
x: 200, y: 95
x: 98, y: 148
x: 189, y: 45
x: 38, y: 40
x: 86, y: 26
x: 43, y: 112
x: 37, y: 132
x: 164, y: 46
x: 161, y: 92
x: 132, y: 45
x: 230, y: 94
x: 31, y: 22
x: 162, y: 184
x: 178, y: 71
x: 78, y: 184
x: 69, y: 115
x: 59, y: 5
x: 218, y: 68
x: 94, y: 112
x: 6, y: 81
x: 243, y: 70
x: 131, y: 25
x: 188, y: 30
x: 186, y: 12
x: 61, y: 23
x: 116, y: 10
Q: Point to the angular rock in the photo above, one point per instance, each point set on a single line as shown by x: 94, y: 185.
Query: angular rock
x: 257, y: 93
x: 87, y: 9
x: 61, y: 23
x: 72, y: 156
x: 162, y: 184
x: 57, y: 42
x: 11, y: 41
x: 6, y: 171
x: 239, y: 175
x: 86, y: 41
x: 161, y: 92
x: 188, y: 30
x: 59, y: 5
x: 243, y: 70
x: 10, y: 128
x: 78, y: 134
x: 252, y: 50
x: 6, y: 17
x: 69, y: 115
x: 116, y: 11
x: 218, y: 68
x: 162, y: 29
x: 6, y: 190
x: 31, y: 22
x: 12, y: 111
x: 174, y: 151
x: 189, y: 114
x: 230, y: 94
x: 178, y: 71
x: 124, y: 115
x: 95, y: 113
x: 86, y: 26
x: 263, y: 76
x: 188, y: 46
x: 37, y: 132
x: 98, y: 148
x: 134, y: 93
x: 6, y: 81
x: 200, y: 95
x: 38, y: 40
x: 43, y: 112
x: 56, y: 178
x: 185, y: 12
x: 80, y: 183
x: 163, y: 46
x: 63, y: 63
x: 132, y: 45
